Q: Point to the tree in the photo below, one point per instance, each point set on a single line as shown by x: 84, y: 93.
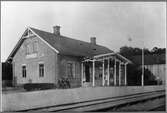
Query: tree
x: 134, y: 71
x: 157, y: 50
x: 128, y: 52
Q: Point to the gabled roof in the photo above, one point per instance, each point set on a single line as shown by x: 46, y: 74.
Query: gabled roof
x: 116, y: 55
x: 65, y: 45
x: 69, y: 46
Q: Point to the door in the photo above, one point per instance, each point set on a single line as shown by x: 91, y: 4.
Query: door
x: 87, y: 73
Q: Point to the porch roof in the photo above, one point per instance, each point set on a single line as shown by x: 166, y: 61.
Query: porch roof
x: 107, y: 56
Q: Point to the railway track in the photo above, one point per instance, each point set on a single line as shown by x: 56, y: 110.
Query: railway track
x: 153, y: 104
x: 113, y: 104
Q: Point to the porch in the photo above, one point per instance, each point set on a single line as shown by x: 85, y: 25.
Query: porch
x: 104, y: 70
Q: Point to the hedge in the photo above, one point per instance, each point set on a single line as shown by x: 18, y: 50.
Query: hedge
x: 38, y: 86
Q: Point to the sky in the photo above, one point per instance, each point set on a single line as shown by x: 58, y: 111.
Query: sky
x: 112, y: 23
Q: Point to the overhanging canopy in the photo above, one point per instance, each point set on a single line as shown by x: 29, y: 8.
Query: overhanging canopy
x: 109, y: 56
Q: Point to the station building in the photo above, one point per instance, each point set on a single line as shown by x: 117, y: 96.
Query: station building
x: 44, y: 57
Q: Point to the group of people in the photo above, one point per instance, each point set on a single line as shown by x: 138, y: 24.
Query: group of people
x: 64, y: 83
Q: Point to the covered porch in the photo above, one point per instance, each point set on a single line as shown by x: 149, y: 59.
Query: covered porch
x: 104, y: 70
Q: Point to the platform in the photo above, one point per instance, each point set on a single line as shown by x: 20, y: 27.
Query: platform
x: 56, y: 97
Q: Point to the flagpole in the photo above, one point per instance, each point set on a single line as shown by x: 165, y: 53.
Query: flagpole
x: 142, y: 76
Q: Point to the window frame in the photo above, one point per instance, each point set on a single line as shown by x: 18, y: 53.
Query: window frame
x: 41, y: 70
x: 31, y: 47
x: 24, y: 71
x: 71, y: 68
x: 35, y: 47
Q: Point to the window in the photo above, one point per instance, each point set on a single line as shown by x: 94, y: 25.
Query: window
x: 28, y: 49
x: 24, y: 71
x: 35, y: 47
x: 31, y: 48
x: 41, y: 70
x: 70, y: 70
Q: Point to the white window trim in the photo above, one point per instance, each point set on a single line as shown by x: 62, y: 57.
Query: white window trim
x: 43, y: 69
x: 22, y: 70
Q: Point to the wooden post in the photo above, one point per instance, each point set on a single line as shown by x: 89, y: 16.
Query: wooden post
x: 93, y: 73
x: 119, y: 73
x: 108, y: 77
x: 125, y: 75
x: 103, y: 74
x: 82, y: 74
x: 13, y: 77
x: 115, y: 69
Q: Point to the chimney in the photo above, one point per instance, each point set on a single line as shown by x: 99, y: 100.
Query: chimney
x: 93, y: 40
x: 56, y: 30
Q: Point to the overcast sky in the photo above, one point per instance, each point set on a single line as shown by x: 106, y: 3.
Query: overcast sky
x: 112, y: 23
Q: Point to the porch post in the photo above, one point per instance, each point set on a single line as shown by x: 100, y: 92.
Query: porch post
x: 108, y: 77
x: 14, y: 82
x: 115, y: 69
x: 93, y: 73
x: 125, y: 75
x: 103, y: 74
x: 82, y: 74
x: 119, y: 73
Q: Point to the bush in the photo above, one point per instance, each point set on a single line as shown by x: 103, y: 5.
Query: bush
x: 134, y: 73
x: 38, y: 86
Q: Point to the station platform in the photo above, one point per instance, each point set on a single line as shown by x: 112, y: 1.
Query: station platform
x: 59, y: 98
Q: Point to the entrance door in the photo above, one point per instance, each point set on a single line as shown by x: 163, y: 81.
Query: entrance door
x: 87, y: 73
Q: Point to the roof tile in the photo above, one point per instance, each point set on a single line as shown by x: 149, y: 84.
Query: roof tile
x: 69, y: 46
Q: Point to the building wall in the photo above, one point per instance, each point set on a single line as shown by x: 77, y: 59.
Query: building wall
x: 44, y: 55
x: 159, y: 70
x: 62, y: 69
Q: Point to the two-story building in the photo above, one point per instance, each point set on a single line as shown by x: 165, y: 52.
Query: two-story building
x: 44, y: 57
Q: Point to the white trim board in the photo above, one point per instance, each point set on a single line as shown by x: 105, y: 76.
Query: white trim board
x: 44, y: 40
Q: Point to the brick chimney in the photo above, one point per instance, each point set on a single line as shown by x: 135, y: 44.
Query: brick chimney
x: 93, y: 40
x: 56, y: 30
